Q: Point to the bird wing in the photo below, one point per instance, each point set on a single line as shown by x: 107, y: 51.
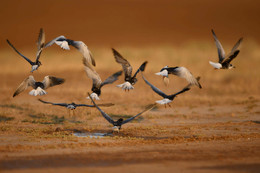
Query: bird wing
x: 83, y: 49
x: 27, y: 59
x: 158, y: 91
x: 106, y: 116
x: 54, y: 40
x: 40, y: 44
x: 58, y: 104
x: 230, y: 58
x: 29, y: 81
x: 105, y: 104
x: 221, y: 52
x: 234, y: 49
x: 92, y: 74
x: 132, y: 118
x: 50, y: 81
x: 182, y: 91
x: 111, y: 78
x: 125, y: 64
x: 141, y: 68
x: 184, y: 73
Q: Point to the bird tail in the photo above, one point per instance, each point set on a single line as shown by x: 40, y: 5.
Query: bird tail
x: 215, y: 65
x: 37, y: 91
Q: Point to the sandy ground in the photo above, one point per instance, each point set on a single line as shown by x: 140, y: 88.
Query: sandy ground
x: 214, y: 129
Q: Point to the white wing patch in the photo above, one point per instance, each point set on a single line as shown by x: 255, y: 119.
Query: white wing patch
x: 63, y: 44
x: 126, y: 86
x: 215, y: 65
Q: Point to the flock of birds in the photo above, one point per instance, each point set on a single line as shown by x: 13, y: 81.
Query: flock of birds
x: 129, y: 79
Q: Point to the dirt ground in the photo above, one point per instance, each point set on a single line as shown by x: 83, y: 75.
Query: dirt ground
x: 213, y: 129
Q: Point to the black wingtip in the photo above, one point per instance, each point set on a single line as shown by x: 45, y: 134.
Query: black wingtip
x: 142, y: 67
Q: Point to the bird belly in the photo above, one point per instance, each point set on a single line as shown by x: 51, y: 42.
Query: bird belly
x: 94, y: 96
x: 163, y: 101
x: 71, y: 107
x: 162, y: 73
x: 115, y: 129
x: 34, y: 67
x: 126, y: 86
x: 37, y: 91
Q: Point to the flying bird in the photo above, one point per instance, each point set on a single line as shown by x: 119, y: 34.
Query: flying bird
x: 38, y: 87
x: 40, y: 44
x: 118, y: 123
x: 224, y: 61
x: 166, y: 98
x: 96, y: 80
x: 64, y: 43
x: 178, y: 71
x: 72, y: 106
x: 127, y: 68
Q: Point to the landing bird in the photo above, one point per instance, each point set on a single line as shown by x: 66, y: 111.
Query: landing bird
x: 64, y: 43
x: 224, y: 61
x: 178, y: 71
x: 117, y: 124
x: 129, y: 79
x: 166, y: 98
x: 40, y: 44
x: 38, y: 87
x: 97, y: 83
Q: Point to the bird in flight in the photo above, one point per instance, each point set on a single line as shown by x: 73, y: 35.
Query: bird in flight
x: 64, y: 43
x: 180, y: 72
x: 118, y: 123
x: 97, y: 83
x: 40, y: 44
x: 38, y: 87
x: 72, y: 106
x: 224, y: 61
x: 167, y: 99
x: 127, y: 68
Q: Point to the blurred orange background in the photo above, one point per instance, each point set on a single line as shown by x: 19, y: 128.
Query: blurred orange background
x: 110, y: 23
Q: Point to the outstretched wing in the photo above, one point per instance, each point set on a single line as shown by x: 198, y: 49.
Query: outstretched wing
x: 221, y: 52
x: 234, y: 49
x: 92, y: 74
x: 230, y: 58
x: 40, y: 44
x: 132, y: 118
x: 50, y: 81
x: 29, y: 81
x: 158, y: 91
x: 27, y: 59
x: 182, y: 91
x: 141, y: 68
x: 184, y: 73
x: 60, y: 38
x: 57, y: 104
x: 105, y: 105
x: 111, y: 78
x: 106, y: 116
x: 125, y: 64
x: 83, y: 49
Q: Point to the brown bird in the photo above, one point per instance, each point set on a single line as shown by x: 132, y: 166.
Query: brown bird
x: 127, y: 68
x: 38, y: 87
x: 97, y: 82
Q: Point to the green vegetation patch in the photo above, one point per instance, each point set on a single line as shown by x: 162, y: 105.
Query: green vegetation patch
x: 5, y: 118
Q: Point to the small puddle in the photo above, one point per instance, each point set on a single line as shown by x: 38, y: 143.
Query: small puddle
x: 92, y: 135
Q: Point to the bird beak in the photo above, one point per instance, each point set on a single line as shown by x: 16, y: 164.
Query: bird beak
x: 166, y: 80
